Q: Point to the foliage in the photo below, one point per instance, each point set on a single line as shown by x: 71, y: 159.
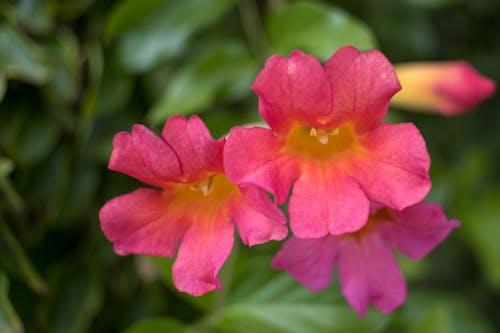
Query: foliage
x: 74, y: 73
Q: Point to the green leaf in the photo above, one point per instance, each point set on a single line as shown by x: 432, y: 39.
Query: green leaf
x: 203, y: 303
x: 224, y: 71
x: 264, y: 300
x: 157, y: 325
x: 316, y: 28
x: 435, y: 321
x: 480, y: 226
x: 114, y: 92
x: 439, y: 312
x: 9, y: 321
x: 433, y: 3
x: 34, y: 15
x: 220, y: 120
x: 80, y: 191
x: 15, y: 260
x: 46, y: 187
x: 3, y: 86
x: 65, y: 82
x: 126, y: 14
x: 255, y: 282
x: 21, y: 58
x: 71, y: 9
x: 12, y: 198
x: 163, y: 31
x: 34, y: 139
x: 76, y: 298
x: 412, y: 269
x: 296, y: 318
x: 6, y: 167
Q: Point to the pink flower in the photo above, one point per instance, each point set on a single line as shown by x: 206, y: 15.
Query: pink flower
x: 368, y: 271
x: 327, y: 139
x: 193, y: 203
x: 446, y: 87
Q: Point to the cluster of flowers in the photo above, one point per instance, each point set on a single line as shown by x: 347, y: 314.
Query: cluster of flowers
x: 353, y: 183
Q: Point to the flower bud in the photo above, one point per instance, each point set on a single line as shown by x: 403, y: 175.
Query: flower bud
x: 446, y: 87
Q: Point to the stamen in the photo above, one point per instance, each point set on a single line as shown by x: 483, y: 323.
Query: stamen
x: 204, y: 186
x: 335, y: 131
x: 321, y: 134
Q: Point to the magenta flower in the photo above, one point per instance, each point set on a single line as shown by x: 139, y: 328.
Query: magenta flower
x: 327, y: 140
x: 368, y: 271
x: 446, y: 87
x: 193, y: 203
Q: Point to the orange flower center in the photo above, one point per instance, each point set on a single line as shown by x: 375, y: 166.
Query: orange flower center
x: 322, y: 144
x: 210, y: 192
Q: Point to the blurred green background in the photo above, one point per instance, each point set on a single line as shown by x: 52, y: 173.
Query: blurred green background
x: 75, y: 72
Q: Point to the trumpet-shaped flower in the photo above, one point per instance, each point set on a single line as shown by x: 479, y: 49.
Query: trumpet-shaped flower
x: 193, y: 203
x: 446, y: 87
x: 327, y: 140
x: 368, y: 271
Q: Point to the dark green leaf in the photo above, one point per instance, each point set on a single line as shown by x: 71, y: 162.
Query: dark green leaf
x: 76, y: 299
x: 3, y: 86
x: 71, y: 9
x: 34, y: 139
x: 433, y: 3
x: 438, y: 312
x: 47, y: 185
x: 15, y: 260
x: 9, y: 321
x: 157, y: 325
x: 80, y: 191
x: 316, y: 28
x: 114, y: 91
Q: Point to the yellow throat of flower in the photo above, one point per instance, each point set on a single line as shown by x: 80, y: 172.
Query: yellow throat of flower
x: 322, y: 144
x: 209, y: 192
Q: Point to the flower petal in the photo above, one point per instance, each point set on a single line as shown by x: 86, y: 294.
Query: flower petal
x: 198, y: 153
x: 309, y: 261
x: 252, y: 155
x: 395, y: 171
x: 293, y: 89
x: 204, y: 249
x: 139, y: 223
x: 369, y: 272
x: 416, y: 230
x: 144, y: 156
x: 326, y: 201
x: 258, y: 219
x: 362, y: 86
